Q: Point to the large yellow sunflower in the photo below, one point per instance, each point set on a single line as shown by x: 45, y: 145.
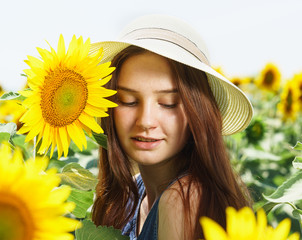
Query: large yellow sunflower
x: 243, y: 225
x: 31, y: 205
x: 270, y: 78
x: 289, y: 104
x: 66, y: 95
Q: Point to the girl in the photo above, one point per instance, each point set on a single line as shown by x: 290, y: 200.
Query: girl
x: 166, y: 164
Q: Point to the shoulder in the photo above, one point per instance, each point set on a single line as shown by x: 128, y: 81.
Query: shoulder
x: 178, y: 205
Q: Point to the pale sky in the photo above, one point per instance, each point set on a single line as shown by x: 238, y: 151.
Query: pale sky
x: 241, y: 35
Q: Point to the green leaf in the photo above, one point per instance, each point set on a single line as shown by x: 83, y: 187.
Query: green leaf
x: 55, y: 163
x: 83, y: 200
x: 298, y: 146
x: 254, y: 154
x: 297, y: 162
x: 297, y: 213
x: 289, y: 191
x: 91, y: 145
x: 19, y: 141
x: 101, y: 139
x: 74, y: 175
x: 11, y: 96
x: 90, y: 232
x: 10, y: 128
x: 4, y: 137
x: 267, y: 207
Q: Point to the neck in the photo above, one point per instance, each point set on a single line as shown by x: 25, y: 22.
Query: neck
x: 157, y: 177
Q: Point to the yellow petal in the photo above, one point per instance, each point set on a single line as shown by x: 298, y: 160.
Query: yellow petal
x: 77, y: 135
x: 90, y: 122
x: 64, y: 140
x: 94, y: 111
x: 46, y: 141
x: 282, y: 230
x: 26, y: 93
x: 100, y: 102
x: 212, y: 230
x: 59, y: 143
x: 61, y: 48
x: 34, y: 131
x: 53, y: 137
x: 101, y: 91
x: 294, y: 236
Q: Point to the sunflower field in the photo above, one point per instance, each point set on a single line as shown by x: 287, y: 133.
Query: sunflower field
x: 50, y: 139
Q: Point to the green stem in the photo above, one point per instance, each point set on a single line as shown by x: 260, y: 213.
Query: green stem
x: 300, y: 220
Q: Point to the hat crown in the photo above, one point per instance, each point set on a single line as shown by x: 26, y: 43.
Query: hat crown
x: 169, y: 29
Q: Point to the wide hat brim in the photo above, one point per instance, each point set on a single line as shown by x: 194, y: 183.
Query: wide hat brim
x: 236, y: 109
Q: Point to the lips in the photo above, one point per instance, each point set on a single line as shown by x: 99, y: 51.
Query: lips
x: 146, y: 143
x: 143, y: 139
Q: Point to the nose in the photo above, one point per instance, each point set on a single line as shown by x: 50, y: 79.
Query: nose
x: 147, y: 116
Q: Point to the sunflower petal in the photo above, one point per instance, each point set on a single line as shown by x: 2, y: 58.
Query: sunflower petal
x: 64, y: 139
x: 90, y: 122
x: 77, y: 135
x: 61, y: 48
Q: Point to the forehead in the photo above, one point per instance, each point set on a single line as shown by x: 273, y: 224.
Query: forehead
x: 146, y: 70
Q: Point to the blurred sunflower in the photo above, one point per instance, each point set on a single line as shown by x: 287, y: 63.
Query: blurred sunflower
x: 11, y: 111
x: 243, y: 225
x: 269, y: 78
x: 66, y: 95
x: 219, y: 70
x: 255, y: 131
x: 238, y: 81
x: 31, y: 204
x: 289, y: 105
x: 297, y: 80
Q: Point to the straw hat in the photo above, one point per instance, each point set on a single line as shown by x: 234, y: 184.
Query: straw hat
x: 174, y: 39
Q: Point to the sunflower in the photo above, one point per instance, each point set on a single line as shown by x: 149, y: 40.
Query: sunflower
x: 65, y: 96
x: 255, y: 131
x: 289, y: 105
x: 11, y: 111
x: 31, y: 204
x: 219, y: 70
x: 297, y: 80
x: 243, y: 225
x: 269, y: 78
x: 239, y: 81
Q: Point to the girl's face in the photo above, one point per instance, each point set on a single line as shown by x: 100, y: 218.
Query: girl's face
x: 150, y: 119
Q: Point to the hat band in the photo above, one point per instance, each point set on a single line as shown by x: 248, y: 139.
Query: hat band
x: 168, y: 36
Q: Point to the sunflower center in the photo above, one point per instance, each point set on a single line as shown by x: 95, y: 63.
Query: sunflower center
x: 268, y: 78
x: 15, y: 219
x: 63, y: 97
x: 289, y: 101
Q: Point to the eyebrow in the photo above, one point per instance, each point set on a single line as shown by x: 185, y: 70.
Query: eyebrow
x: 174, y: 90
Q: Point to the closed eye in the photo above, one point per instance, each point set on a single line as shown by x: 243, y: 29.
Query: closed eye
x: 128, y: 104
x: 169, y: 105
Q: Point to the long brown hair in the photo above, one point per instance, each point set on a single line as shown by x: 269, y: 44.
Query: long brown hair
x: 206, y: 160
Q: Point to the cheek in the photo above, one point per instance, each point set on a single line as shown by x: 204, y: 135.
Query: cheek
x: 183, y: 132
x: 122, y: 119
x: 178, y: 127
